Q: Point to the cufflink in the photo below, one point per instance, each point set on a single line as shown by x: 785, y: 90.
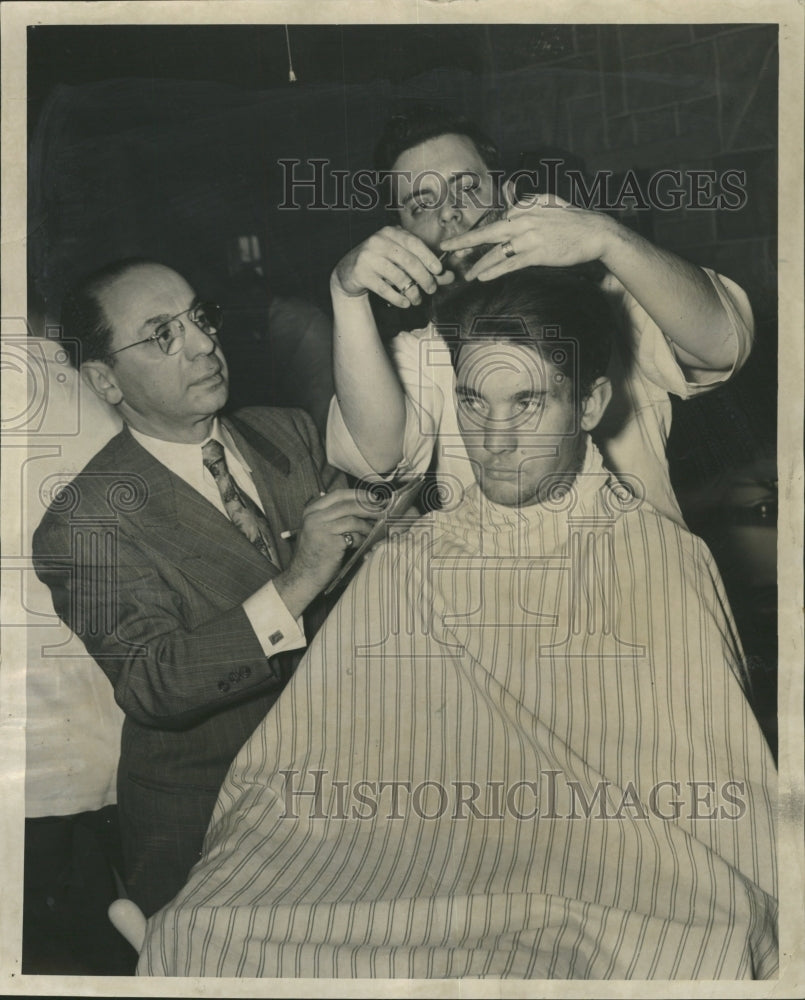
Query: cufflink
x: 276, y: 637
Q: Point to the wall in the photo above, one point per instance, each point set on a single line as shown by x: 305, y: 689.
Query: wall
x: 181, y: 169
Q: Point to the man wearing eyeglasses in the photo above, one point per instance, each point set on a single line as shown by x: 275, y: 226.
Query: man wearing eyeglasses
x: 185, y: 554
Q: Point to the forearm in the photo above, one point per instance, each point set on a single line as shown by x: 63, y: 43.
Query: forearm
x: 296, y: 590
x: 167, y: 670
x: 368, y: 391
x: 676, y: 294
x: 707, y: 332
x: 181, y: 676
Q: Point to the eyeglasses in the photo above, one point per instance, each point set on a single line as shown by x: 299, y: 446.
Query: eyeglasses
x: 207, y: 316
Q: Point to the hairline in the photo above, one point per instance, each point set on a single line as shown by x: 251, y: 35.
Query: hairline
x: 531, y: 343
x: 109, y: 281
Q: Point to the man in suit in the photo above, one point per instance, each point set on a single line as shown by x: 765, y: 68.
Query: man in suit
x: 166, y: 555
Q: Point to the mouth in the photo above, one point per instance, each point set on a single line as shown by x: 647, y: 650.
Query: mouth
x: 507, y: 474
x: 213, y: 378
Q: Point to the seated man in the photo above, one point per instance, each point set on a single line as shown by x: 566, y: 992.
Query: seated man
x: 168, y: 556
x: 685, y: 329
x: 520, y: 744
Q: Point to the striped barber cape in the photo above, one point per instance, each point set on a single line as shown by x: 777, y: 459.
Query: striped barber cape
x: 519, y: 747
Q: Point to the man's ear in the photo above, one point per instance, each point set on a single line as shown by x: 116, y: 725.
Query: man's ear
x: 100, y: 377
x: 593, y: 406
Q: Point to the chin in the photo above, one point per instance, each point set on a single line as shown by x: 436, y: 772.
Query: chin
x: 507, y: 494
x: 462, y: 260
x: 217, y: 393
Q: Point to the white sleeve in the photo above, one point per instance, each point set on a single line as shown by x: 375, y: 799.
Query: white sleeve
x: 412, y: 353
x: 654, y: 352
x: 276, y: 629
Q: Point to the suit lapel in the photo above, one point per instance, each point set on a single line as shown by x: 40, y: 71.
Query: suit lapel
x: 189, y: 531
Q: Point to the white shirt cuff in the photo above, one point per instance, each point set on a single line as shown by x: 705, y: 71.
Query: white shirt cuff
x: 276, y: 630
x: 736, y: 305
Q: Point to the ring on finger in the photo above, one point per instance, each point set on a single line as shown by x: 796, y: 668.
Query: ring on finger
x: 410, y: 284
x: 349, y: 541
x: 508, y: 249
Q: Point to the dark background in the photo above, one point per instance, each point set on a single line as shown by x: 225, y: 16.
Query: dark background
x: 166, y: 138
x: 163, y: 142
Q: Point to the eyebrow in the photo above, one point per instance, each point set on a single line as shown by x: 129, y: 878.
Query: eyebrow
x: 164, y: 317
x: 416, y: 194
x: 457, y: 175
x: 465, y: 390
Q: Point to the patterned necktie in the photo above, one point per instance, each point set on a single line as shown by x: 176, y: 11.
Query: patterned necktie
x: 242, y: 510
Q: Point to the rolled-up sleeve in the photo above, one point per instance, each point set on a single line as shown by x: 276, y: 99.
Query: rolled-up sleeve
x: 424, y: 402
x: 654, y: 352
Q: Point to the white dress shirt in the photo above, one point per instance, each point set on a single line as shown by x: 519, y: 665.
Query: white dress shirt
x: 275, y: 627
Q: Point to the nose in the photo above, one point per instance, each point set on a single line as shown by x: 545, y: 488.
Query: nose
x: 196, y: 340
x: 499, y: 438
x: 450, y: 212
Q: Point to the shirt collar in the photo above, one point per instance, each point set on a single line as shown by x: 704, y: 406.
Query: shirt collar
x: 180, y: 456
x: 583, y: 489
x: 222, y: 433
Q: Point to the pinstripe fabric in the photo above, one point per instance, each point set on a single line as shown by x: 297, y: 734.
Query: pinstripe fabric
x: 584, y: 646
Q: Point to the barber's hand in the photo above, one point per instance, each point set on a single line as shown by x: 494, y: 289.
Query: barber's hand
x: 321, y: 545
x: 394, y: 264
x: 544, y: 230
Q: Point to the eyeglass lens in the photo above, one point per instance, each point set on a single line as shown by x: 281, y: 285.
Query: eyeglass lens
x: 207, y: 316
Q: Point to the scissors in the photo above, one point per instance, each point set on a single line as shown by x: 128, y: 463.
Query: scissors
x: 445, y: 253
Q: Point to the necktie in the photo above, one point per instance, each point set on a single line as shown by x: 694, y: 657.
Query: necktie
x: 242, y: 510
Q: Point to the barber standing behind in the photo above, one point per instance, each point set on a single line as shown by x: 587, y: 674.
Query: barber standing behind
x: 684, y: 329
x: 166, y: 556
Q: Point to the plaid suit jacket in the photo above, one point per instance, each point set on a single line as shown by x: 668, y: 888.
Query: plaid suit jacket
x: 152, y: 577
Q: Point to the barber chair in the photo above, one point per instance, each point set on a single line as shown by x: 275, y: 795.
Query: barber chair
x: 52, y: 425
x: 129, y: 920
x: 72, y: 721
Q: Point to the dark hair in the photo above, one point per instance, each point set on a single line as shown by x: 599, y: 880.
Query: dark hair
x: 427, y: 121
x: 541, y: 306
x: 82, y: 316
